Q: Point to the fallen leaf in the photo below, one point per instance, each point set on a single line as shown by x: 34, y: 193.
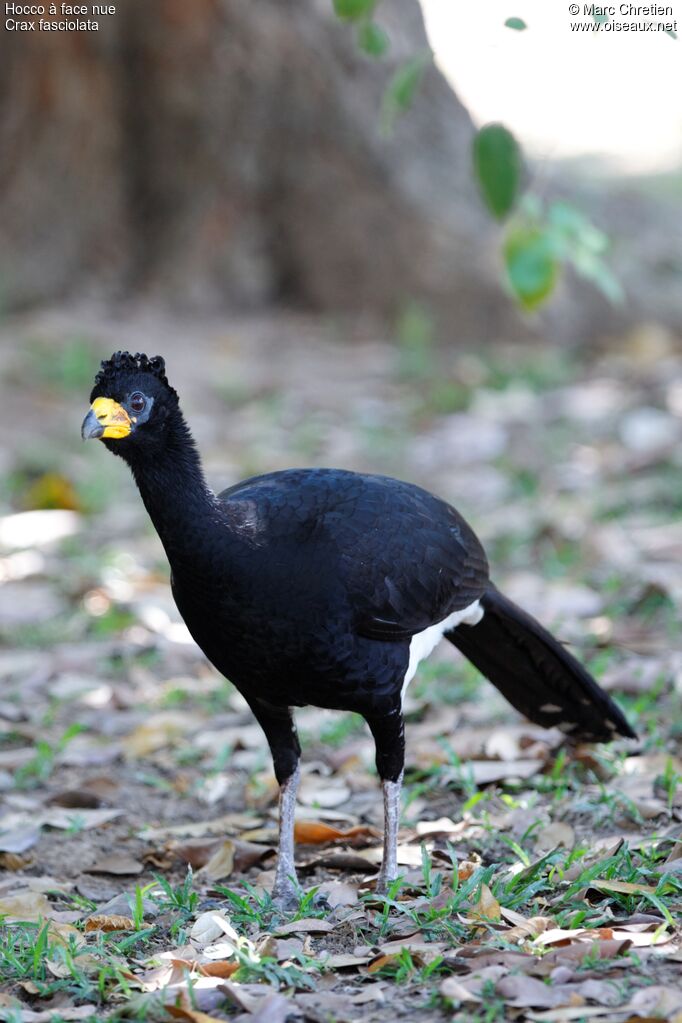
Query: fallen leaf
x: 309, y: 925
x: 76, y: 799
x: 553, y: 835
x: 487, y: 906
x: 221, y: 863
x: 19, y: 841
x: 528, y: 928
x: 25, y: 905
x: 623, y: 887
x: 10, y: 861
x: 327, y: 792
x: 118, y: 865
x: 212, y: 925
x: 339, y: 893
x: 318, y: 833
x: 230, y: 822
x: 344, y: 960
x: 220, y: 968
x: 84, y: 820
x: 103, y: 922
x: 192, y: 1015
x: 657, y: 1000
x: 158, y: 731
x: 380, y: 961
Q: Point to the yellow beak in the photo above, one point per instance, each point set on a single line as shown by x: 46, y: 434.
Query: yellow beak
x: 106, y: 419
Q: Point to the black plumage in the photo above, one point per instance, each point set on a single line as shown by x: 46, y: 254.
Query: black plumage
x: 309, y: 586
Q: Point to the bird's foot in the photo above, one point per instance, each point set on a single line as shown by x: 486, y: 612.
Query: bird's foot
x: 286, y: 895
x: 383, y: 883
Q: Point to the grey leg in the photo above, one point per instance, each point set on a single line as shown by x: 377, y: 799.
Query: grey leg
x: 285, y: 892
x: 389, y: 863
x: 280, y: 731
x: 389, y: 736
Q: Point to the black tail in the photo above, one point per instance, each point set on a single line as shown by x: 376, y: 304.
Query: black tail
x: 536, y: 673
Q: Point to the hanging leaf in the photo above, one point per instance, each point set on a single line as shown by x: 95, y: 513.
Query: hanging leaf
x: 402, y: 88
x: 531, y: 265
x: 372, y: 39
x: 353, y: 10
x: 497, y: 164
x: 518, y: 24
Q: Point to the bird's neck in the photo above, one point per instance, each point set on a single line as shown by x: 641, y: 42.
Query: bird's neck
x: 175, y: 493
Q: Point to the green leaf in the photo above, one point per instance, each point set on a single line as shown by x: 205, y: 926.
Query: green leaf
x: 531, y: 265
x: 497, y: 163
x: 518, y: 24
x: 353, y: 10
x: 372, y: 39
x: 402, y: 88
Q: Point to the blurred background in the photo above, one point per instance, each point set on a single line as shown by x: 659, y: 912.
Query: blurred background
x: 281, y: 200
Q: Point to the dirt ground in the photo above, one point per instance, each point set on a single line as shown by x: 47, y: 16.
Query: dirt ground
x: 138, y: 827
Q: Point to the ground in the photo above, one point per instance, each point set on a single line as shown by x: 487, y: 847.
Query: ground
x: 541, y: 882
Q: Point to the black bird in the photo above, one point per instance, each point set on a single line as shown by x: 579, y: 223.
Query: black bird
x: 327, y: 587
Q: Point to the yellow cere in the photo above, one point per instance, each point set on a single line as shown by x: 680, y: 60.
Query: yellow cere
x: 113, y: 417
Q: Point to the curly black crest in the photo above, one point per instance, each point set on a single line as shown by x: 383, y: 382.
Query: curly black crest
x: 124, y: 362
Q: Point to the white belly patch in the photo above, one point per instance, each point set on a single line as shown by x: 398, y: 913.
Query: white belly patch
x: 423, y: 643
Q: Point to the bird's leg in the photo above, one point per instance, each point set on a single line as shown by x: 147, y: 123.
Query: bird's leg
x: 284, y: 891
x: 280, y: 731
x: 389, y: 738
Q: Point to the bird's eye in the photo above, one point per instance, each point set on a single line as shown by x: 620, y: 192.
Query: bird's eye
x: 137, y: 401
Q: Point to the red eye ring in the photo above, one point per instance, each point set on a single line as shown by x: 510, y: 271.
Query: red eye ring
x: 137, y: 401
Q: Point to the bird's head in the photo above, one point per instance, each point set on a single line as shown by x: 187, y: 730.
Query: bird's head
x: 132, y: 404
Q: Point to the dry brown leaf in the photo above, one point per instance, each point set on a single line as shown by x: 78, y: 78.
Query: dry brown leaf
x: 326, y: 792
x: 465, y: 869
x: 310, y: 925
x: 274, y: 1008
x: 342, y: 860
x: 192, y: 1015
x: 84, y: 820
x: 220, y: 858
x: 81, y: 799
x: 382, y: 960
x: 578, y: 951
x: 623, y: 887
x: 169, y: 975
x: 552, y: 835
x: 339, y: 893
x: 10, y: 861
x: 487, y: 906
x: 657, y: 1000
x: 416, y: 944
x: 156, y: 732
x: 344, y: 960
x: 102, y: 922
x: 528, y: 928
x: 210, y: 926
x: 485, y: 772
x: 318, y: 833
x: 69, y: 1013
x: 221, y: 863
x: 117, y: 865
x: 219, y: 968
x: 25, y: 905
x: 229, y: 822
x: 20, y: 840
x: 470, y: 987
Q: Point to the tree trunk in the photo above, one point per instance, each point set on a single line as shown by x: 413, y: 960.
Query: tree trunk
x: 228, y: 154
x: 223, y: 152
